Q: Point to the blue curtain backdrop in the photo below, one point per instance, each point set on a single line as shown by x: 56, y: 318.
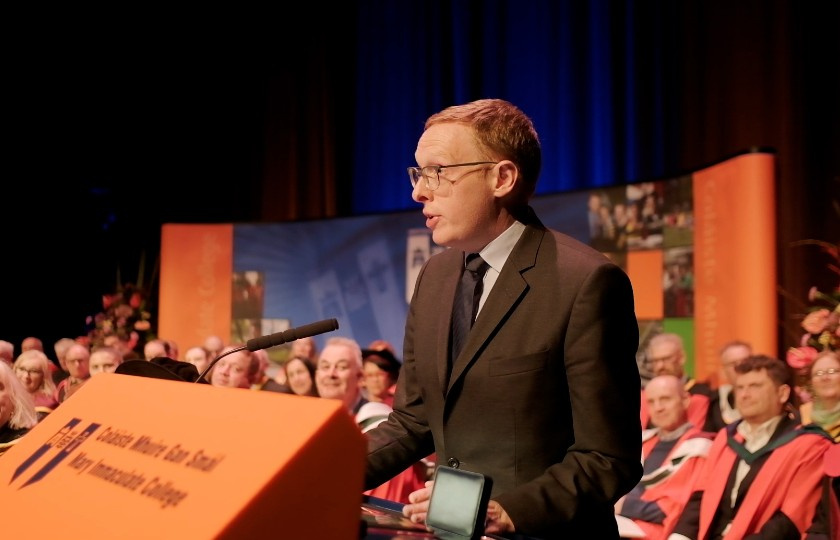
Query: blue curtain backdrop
x: 591, y: 83
x: 121, y: 127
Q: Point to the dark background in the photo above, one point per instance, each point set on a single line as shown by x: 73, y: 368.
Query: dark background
x: 120, y: 122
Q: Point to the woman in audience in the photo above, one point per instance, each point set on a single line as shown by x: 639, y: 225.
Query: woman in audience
x: 17, y: 409
x: 32, y: 367
x: 300, y: 376
x: 824, y: 408
x: 381, y: 370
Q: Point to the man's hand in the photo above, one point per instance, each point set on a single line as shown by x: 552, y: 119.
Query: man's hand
x: 498, y: 521
x: 418, y: 503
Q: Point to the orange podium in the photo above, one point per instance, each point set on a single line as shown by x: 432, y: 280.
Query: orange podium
x: 136, y: 457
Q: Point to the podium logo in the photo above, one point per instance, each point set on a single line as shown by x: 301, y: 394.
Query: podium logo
x: 65, y: 441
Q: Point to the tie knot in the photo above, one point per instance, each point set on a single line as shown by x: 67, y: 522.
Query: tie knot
x: 475, y: 263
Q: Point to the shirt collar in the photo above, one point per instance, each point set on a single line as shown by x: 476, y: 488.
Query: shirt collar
x: 496, y: 252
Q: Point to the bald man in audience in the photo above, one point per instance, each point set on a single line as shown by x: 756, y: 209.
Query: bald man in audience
x: 666, y: 356
x: 338, y: 375
x: 31, y: 343
x: 673, y: 453
x: 156, y: 348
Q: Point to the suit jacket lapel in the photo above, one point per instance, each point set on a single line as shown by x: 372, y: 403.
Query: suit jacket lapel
x: 509, y: 288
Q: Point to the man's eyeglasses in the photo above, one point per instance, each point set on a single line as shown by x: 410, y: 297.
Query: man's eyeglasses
x: 829, y: 371
x: 431, y: 173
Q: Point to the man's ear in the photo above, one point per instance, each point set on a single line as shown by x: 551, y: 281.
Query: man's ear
x: 784, y: 393
x: 507, y: 179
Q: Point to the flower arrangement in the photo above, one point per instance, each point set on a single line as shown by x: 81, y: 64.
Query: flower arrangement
x: 822, y: 322
x: 124, y: 314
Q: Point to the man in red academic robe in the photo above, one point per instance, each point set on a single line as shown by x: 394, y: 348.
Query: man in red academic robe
x: 764, y: 473
x: 673, y: 454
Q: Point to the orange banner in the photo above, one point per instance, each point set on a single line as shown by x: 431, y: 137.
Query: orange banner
x: 734, y: 258
x: 196, y: 265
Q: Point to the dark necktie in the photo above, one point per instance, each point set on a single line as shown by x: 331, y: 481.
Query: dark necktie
x: 467, y: 296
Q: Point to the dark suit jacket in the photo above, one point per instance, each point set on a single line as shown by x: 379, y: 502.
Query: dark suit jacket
x: 544, y: 397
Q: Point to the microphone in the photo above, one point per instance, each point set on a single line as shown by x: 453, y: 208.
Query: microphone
x: 272, y: 340
x: 307, y: 330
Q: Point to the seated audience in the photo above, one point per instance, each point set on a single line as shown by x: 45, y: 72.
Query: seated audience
x: 666, y: 356
x: 300, y: 376
x: 763, y: 475
x: 338, y: 375
x: 673, y: 454
x: 156, y: 348
x: 304, y: 347
x: 17, y: 410
x: 77, y: 361
x: 381, y: 370
x: 172, y: 346
x: 236, y: 370
x: 199, y: 357
x: 824, y: 407
x: 30, y: 343
x: 826, y: 525
x: 214, y: 345
x: 722, y: 411
x: 124, y: 345
x: 262, y: 380
x: 104, y: 360
x: 32, y: 368
x: 60, y: 347
x: 7, y: 352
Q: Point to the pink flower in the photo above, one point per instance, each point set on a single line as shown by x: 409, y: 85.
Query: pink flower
x: 801, y: 357
x: 815, y: 322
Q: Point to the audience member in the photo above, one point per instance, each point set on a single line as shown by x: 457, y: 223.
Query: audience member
x: 381, y: 370
x: 104, y: 360
x: 199, y: 357
x: 261, y: 379
x: 722, y: 411
x: 32, y: 367
x: 156, y: 348
x: 30, y: 343
x: 543, y: 396
x: 213, y: 345
x: 304, y: 347
x: 125, y: 346
x: 300, y: 374
x: 826, y: 525
x: 17, y: 410
x: 7, y: 352
x: 172, y: 346
x: 60, y: 347
x: 824, y: 407
x: 764, y: 474
x: 236, y: 370
x: 673, y: 453
x: 666, y: 356
x: 338, y: 376
x: 77, y: 361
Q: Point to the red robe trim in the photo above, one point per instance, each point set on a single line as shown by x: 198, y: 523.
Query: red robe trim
x: 790, y: 481
x: 672, y: 494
